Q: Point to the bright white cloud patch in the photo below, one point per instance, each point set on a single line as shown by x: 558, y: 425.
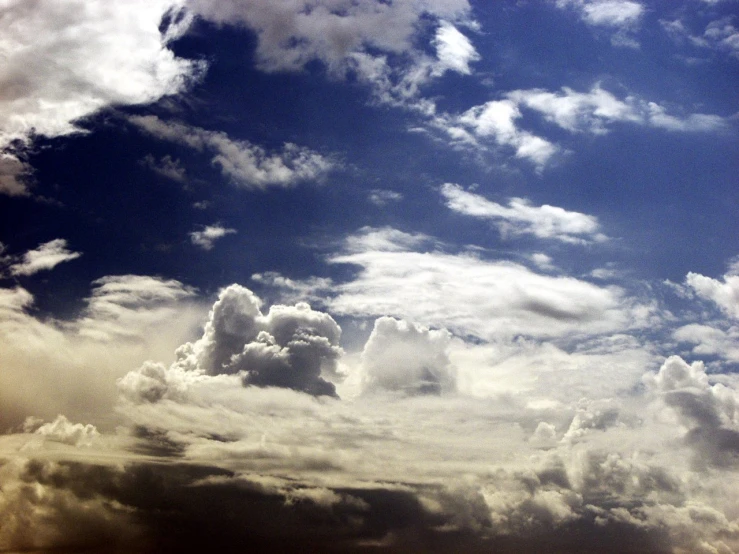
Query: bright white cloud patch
x: 521, y: 218
x: 454, y: 50
x: 45, y: 257
x: 206, y: 237
x: 403, y: 357
x: 724, y: 293
x: 246, y: 164
x: 470, y: 295
x: 93, y: 54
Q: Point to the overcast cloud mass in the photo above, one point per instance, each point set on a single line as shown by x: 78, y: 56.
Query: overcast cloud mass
x: 383, y: 276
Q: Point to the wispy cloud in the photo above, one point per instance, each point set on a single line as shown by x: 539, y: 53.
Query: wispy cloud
x: 246, y: 164
x: 521, y: 218
x: 45, y: 257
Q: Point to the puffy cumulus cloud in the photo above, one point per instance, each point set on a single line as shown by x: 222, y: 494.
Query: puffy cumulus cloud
x: 93, y: 55
x: 520, y: 217
x: 724, y: 293
x: 401, y: 356
x: 45, y: 257
x: 69, y: 366
x: 709, y: 412
x: 64, y: 431
x: 246, y: 164
x: 469, y: 295
x: 291, y: 347
x: 205, y: 237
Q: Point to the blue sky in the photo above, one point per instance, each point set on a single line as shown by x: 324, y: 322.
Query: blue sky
x: 472, y: 262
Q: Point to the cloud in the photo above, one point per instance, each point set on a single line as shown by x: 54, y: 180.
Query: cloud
x: 292, y: 347
x: 469, y: 295
x: 724, y: 293
x: 64, y: 431
x: 454, y: 50
x: 496, y: 120
x: 69, y: 366
x: 247, y: 165
x: 623, y: 16
x: 720, y: 35
x: 209, y: 234
x: 521, y: 218
x: 166, y: 167
x: 382, y: 197
x: 400, y: 356
x: 710, y: 340
x: 45, y: 257
x: 292, y: 34
x: 594, y: 112
x: 124, y: 306
x: 13, y: 174
x: 94, y: 55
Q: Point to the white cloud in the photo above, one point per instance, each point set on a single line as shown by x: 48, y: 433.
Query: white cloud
x: 45, y: 257
x: 454, y: 50
x: 606, y: 13
x: 209, y: 234
x: 520, y: 217
x: 246, y: 164
x: 64, y: 431
x: 593, y: 112
x: 400, y: 356
x: 92, y: 54
x: 577, y: 111
x: 496, y: 119
x: 469, y: 295
x: 725, y: 293
x: 12, y: 175
x: 709, y: 340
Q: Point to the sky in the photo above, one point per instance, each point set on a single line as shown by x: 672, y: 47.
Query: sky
x: 379, y: 276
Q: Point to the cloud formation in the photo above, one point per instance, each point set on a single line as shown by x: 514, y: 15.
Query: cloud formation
x: 94, y: 54
x: 521, y: 218
x: 292, y: 347
x: 206, y: 237
x: 45, y: 257
x: 245, y: 164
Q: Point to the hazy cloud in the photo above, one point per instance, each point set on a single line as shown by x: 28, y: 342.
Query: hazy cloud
x: 246, y: 164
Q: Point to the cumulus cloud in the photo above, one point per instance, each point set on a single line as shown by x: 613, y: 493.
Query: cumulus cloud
x: 12, y: 173
x: 720, y: 35
x: 246, y: 164
x: 470, y: 295
x: 45, y: 257
x: 710, y: 412
x: 94, y: 54
x: 724, y: 293
x: 205, y: 237
x: 710, y: 340
x: 401, y: 356
x: 521, y: 218
x: 383, y: 197
x: 64, y: 431
x: 292, y: 347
